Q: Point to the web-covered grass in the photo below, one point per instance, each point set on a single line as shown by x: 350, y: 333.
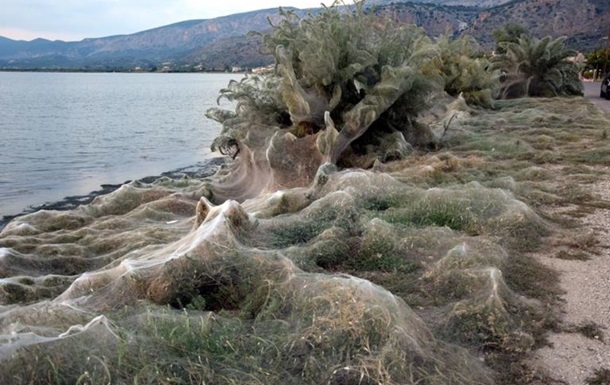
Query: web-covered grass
x: 407, y: 273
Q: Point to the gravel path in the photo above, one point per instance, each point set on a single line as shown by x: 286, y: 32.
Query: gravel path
x: 572, y: 358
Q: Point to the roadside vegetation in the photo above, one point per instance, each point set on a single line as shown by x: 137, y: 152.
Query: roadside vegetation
x: 597, y: 61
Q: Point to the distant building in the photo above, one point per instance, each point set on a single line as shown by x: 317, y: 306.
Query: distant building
x: 263, y: 70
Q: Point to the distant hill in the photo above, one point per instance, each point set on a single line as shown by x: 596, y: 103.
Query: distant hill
x: 222, y: 42
x: 583, y: 21
x: 435, y: 19
x: 179, y: 43
x: 467, y: 3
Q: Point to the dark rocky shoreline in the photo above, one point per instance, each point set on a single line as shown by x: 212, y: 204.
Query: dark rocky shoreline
x: 198, y: 170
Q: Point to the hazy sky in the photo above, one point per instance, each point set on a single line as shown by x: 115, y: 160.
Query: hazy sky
x: 77, y: 19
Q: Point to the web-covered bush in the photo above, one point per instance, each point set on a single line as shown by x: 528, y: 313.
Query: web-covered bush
x: 465, y: 73
x: 340, y: 70
x: 537, y: 67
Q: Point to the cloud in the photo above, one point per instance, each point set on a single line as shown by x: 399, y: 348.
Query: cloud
x: 77, y: 19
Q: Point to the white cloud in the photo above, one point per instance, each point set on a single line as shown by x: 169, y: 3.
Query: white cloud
x: 77, y: 19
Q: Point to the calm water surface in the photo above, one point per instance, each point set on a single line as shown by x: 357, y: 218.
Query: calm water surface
x: 64, y: 134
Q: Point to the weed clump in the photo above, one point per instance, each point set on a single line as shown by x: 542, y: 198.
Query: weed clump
x: 600, y: 377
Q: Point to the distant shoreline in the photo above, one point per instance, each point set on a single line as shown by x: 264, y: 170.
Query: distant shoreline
x: 117, y: 70
x: 201, y: 169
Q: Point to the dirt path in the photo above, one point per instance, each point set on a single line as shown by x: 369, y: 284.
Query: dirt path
x: 573, y: 357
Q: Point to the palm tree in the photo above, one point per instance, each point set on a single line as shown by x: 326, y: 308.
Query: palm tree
x: 510, y: 33
x: 537, y: 67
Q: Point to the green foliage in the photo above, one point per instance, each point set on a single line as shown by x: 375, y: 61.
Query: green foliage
x: 257, y: 102
x: 598, y: 60
x: 297, y: 233
x: 465, y: 73
x: 510, y: 33
x: 380, y: 249
x: 537, y: 67
x: 363, y: 72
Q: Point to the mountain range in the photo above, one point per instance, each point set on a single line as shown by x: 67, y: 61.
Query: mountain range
x: 222, y: 43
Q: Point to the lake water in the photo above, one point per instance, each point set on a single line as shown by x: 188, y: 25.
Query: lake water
x: 64, y: 134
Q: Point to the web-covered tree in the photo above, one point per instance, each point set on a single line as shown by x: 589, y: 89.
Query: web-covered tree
x: 351, y: 80
x: 465, y: 71
x: 348, y: 88
x: 537, y: 67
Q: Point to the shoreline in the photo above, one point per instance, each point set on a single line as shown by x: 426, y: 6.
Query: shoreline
x: 200, y: 169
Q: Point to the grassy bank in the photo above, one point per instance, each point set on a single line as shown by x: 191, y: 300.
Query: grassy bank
x: 416, y: 271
